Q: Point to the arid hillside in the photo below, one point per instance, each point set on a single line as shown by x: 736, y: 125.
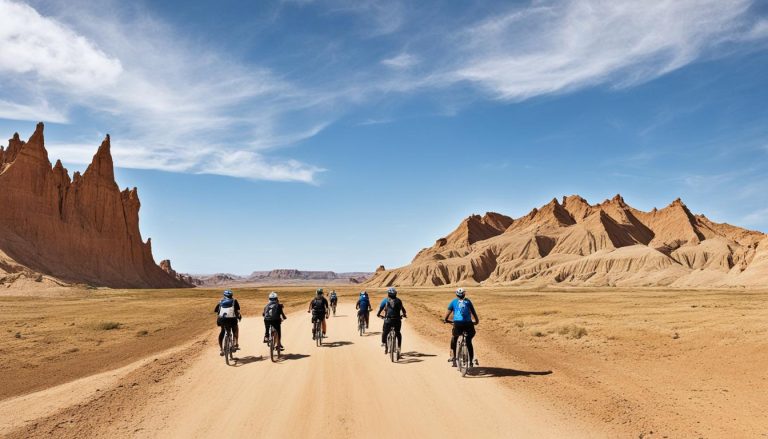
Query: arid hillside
x: 572, y: 242
x: 54, y: 229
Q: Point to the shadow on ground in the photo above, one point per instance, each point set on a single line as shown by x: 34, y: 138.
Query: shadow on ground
x: 242, y: 361
x: 495, y: 372
x: 293, y: 356
x: 413, y: 357
x: 336, y: 344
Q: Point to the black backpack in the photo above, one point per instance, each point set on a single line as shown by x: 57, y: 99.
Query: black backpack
x: 318, y: 305
x: 272, y: 311
x: 393, y: 308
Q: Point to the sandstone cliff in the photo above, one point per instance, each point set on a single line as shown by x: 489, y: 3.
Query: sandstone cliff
x: 78, y: 230
x: 572, y: 242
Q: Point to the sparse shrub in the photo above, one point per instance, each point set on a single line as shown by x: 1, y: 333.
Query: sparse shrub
x: 108, y: 326
x: 142, y: 333
x: 519, y: 324
x: 538, y: 334
x: 572, y: 331
x: 73, y: 350
x: 18, y: 335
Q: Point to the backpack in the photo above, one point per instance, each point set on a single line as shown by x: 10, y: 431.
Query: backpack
x: 393, y: 309
x: 462, y: 310
x: 364, y: 302
x: 272, y: 311
x: 318, y: 305
x: 227, y: 309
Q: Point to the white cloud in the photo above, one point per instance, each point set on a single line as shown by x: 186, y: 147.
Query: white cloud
x: 554, y: 47
x: 30, y: 43
x: 170, y: 104
x: 401, y: 61
x: 14, y: 111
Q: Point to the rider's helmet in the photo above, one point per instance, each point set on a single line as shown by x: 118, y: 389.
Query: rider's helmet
x: 319, y: 292
x: 228, y: 294
x: 391, y: 292
x: 273, y: 296
x: 363, y: 293
x: 460, y: 293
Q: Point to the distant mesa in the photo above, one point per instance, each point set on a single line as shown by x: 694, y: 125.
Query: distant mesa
x: 81, y: 230
x: 282, y: 276
x: 575, y: 243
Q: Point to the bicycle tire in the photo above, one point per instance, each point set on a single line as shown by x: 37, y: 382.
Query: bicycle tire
x: 272, y: 346
x: 391, y: 345
x: 463, y: 357
x: 319, y: 334
x: 227, y: 347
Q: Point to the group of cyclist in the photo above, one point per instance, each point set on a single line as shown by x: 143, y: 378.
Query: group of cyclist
x: 391, y: 309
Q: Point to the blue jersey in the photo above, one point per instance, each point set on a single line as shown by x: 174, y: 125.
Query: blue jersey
x: 363, y: 302
x: 462, y: 310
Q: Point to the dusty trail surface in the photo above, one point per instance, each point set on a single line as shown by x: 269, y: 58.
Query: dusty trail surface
x: 346, y: 388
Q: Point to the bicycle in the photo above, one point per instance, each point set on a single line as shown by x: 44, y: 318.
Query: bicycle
x: 228, y: 346
x: 360, y: 323
x: 461, y: 355
x: 333, y: 307
x: 274, y: 344
x: 317, y: 330
x: 391, y: 346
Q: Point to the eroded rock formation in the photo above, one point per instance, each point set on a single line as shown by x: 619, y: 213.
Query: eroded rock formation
x: 78, y: 230
x: 572, y: 242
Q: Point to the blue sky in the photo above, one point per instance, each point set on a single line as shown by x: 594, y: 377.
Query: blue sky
x: 346, y: 134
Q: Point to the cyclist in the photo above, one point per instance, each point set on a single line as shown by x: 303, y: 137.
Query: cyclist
x: 319, y: 309
x: 273, y: 316
x: 364, y: 306
x: 463, y: 314
x: 392, y: 318
x: 228, y: 310
x: 334, y: 299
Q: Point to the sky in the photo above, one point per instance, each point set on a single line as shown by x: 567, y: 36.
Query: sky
x: 345, y: 134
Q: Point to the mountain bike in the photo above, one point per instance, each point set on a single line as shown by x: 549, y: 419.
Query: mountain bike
x: 274, y: 344
x: 361, y: 323
x: 462, y: 354
x: 317, y: 331
x: 228, y: 346
x: 391, y: 346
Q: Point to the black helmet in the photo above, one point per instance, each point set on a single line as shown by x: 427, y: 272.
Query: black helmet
x: 319, y: 292
x: 391, y: 292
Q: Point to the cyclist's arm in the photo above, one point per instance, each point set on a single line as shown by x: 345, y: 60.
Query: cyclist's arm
x: 474, y: 314
x: 450, y: 311
x: 237, y: 310
x: 402, y: 308
x: 282, y: 312
x: 381, y: 308
x: 216, y: 310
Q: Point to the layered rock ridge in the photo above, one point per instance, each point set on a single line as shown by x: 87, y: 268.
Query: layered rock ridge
x: 78, y: 230
x: 572, y: 242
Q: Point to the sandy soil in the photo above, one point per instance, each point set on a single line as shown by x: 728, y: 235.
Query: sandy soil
x: 615, y: 363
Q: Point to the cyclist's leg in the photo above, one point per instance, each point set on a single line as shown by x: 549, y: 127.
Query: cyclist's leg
x: 367, y: 318
x: 322, y: 322
x: 454, y: 338
x: 470, y: 335
x: 398, y: 324
x: 266, y: 330
x: 385, y: 331
x: 222, y: 330
x: 236, y: 333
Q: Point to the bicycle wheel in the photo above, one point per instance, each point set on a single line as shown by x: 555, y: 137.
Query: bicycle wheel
x: 360, y: 325
x: 463, y: 357
x: 319, y: 334
x: 392, y: 345
x: 227, y: 346
x: 272, y: 347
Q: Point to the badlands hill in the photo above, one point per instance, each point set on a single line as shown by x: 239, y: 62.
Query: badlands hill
x: 81, y: 230
x: 576, y: 243
x: 283, y: 276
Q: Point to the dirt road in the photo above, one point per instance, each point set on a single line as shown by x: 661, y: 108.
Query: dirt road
x: 347, y: 388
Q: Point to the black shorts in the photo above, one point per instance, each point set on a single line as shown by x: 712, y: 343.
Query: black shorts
x: 226, y: 322
x: 459, y: 327
x: 317, y: 317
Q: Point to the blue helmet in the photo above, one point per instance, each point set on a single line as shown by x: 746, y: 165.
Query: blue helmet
x: 391, y: 292
x: 228, y: 294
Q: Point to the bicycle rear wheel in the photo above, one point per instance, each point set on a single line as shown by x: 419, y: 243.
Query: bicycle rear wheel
x: 463, y: 357
x: 272, y: 347
x: 392, y: 346
x: 319, y: 334
x: 227, y: 346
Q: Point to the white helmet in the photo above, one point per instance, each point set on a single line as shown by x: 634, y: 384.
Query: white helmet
x: 460, y: 293
x: 273, y: 296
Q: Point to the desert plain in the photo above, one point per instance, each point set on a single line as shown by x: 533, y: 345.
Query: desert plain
x: 580, y: 362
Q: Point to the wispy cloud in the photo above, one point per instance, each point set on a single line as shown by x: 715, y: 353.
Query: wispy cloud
x: 169, y: 105
x: 559, y: 46
x: 756, y: 218
x: 401, y: 61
